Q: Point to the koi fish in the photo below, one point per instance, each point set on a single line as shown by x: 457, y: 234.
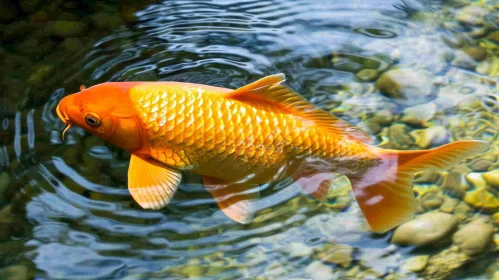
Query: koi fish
x: 237, y: 139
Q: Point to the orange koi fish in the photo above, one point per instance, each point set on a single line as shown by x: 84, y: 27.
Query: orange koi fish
x: 237, y: 139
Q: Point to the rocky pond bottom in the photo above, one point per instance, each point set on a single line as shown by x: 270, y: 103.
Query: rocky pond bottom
x: 414, y: 75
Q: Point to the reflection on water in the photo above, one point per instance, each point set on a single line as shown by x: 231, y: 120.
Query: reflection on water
x: 66, y: 208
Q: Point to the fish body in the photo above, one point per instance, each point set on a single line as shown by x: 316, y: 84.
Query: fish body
x: 237, y: 139
x: 196, y: 128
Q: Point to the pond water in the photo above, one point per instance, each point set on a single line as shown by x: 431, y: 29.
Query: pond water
x: 413, y: 74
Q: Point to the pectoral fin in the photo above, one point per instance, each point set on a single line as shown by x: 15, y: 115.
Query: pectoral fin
x: 233, y: 199
x: 151, y: 183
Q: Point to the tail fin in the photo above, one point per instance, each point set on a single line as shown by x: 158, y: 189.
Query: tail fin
x: 384, y: 192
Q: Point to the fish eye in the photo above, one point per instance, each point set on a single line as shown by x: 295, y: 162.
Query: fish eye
x: 92, y: 120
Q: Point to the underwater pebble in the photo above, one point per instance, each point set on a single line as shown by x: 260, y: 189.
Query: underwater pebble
x: 476, y: 179
x: 369, y: 274
x: 449, y: 204
x: 318, y: 270
x: 419, y: 115
x: 407, y: 86
x: 192, y: 271
x: 461, y: 211
x: 367, y: 75
x: 16, y: 272
x: 431, y: 201
x: 471, y: 14
x: 399, y: 136
x: 433, y: 136
x: 298, y: 250
x: 425, y: 229
x: 474, y: 237
x: 4, y: 182
x: 65, y: 28
x: 454, y: 182
x: 337, y: 254
x: 476, y: 53
x: 416, y: 264
x: 463, y: 60
x: 492, y: 178
x: 482, y: 199
x: 443, y: 265
x: 480, y: 164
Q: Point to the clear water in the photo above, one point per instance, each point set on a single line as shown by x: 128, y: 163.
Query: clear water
x: 79, y: 219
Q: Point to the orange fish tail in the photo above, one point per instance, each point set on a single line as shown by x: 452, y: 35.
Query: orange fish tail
x: 384, y: 191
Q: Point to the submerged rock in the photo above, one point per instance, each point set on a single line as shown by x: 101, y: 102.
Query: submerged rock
x: 425, y: 229
x: 337, y: 254
x: 492, y: 178
x: 16, y: 272
x: 432, y: 136
x: 443, y: 265
x: 419, y: 115
x: 318, y: 270
x: 406, y: 86
x: 481, y: 198
x: 471, y: 14
x: 473, y: 238
x: 416, y: 264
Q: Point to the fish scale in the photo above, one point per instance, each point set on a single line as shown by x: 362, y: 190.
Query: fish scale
x: 198, y: 129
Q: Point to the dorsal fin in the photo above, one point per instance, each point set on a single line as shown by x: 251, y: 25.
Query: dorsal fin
x: 267, y: 92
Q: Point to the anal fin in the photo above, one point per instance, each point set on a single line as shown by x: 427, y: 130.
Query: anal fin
x: 233, y: 199
x: 152, y: 184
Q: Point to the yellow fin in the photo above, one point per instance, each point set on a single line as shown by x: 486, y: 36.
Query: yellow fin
x: 233, y: 199
x: 384, y: 192
x: 152, y: 184
x: 268, y: 93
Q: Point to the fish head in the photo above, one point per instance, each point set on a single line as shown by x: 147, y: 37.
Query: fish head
x: 106, y: 111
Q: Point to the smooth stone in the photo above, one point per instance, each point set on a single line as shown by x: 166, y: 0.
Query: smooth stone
x: 494, y: 36
x: 476, y: 179
x: 407, y: 86
x: 454, y: 182
x: 4, y: 182
x: 480, y: 164
x: 65, y: 28
x: 482, y: 199
x: 16, y: 272
x: 318, y: 270
x: 399, y: 136
x: 419, y: 115
x: 416, y: 264
x: 492, y: 178
x: 431, y: 201
x: 463, y: 60
x: 444, y: 264
x: 338, y: 254
x: 425, y: 229
x: 369, y: 274
x: 192, y: 271
x: 471, y: 14
x: 432, y: 136
x: 474, y: 237
x: 298, y: 250
x: 73, y: 44
x: 476, y: 53
x: 461, y: 211
x: 449, y: 204
x: 367, y: 75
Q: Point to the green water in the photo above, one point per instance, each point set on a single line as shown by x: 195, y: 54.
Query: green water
x: 413, y: 74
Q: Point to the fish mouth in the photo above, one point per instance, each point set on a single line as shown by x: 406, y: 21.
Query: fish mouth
x: 65, y: 119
